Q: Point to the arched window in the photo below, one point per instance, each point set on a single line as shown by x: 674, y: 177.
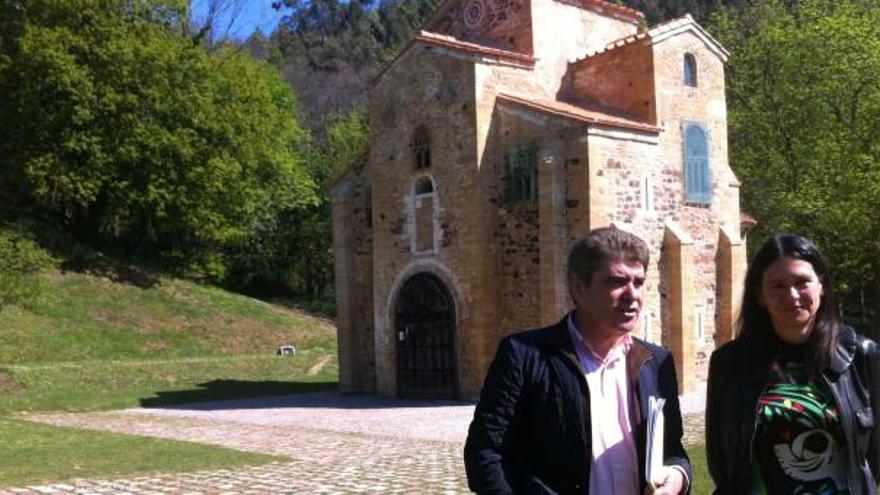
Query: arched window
x: 697, y: 175
x: 690, y: 70
x: 423, y: 215
x: 421, y: 147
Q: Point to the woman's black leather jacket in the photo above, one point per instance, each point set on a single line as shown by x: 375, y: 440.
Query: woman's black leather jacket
x: 735, y: 384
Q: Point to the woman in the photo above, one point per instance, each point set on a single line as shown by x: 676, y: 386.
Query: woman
x: 793, y: 401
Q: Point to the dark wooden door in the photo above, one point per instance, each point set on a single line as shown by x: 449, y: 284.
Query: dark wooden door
x: 425, y: 334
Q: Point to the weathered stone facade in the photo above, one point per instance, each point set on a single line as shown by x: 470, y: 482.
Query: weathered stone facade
x: 502, y: 133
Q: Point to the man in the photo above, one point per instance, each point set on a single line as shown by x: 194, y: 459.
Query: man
x: 563, y: 408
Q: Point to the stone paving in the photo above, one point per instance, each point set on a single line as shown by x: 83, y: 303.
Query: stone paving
x: 336, y: 444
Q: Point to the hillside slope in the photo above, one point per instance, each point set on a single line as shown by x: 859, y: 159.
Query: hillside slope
x: 97, y: 342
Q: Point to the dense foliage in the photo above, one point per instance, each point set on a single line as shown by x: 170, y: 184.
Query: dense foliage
x: 115, y: 124
x: 804, y: 116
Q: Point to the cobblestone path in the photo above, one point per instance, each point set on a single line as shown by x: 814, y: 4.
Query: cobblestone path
x: 323, y: 458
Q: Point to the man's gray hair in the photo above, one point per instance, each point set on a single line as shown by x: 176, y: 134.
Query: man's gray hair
x: 602, y: 246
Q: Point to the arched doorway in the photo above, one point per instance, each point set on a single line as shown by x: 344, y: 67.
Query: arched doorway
x: 424, y: 323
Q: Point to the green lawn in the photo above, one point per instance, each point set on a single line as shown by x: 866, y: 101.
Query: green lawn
x: 90, y: 343
x: 31, y: 453
x: 702, y: 482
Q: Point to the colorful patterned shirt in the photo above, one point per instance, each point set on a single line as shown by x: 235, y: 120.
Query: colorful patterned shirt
x: 799, y: 444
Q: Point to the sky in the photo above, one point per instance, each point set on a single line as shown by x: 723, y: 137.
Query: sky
x: 248, y: 15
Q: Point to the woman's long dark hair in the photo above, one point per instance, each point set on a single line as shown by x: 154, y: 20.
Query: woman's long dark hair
x: 755, y: 325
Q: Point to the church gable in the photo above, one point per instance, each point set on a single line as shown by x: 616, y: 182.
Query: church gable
x: 504, y: 24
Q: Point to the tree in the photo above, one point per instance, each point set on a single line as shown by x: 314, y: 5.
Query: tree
x: 804, y: 116
x: 114, y: 121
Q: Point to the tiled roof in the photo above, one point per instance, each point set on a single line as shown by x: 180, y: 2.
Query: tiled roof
x: 447, y: 41
x: 358, y: 161
x: 622, y: 10
x: 660, y: 32
x: 746, y: 221
x: 452, y: 42
x: 578, y: 113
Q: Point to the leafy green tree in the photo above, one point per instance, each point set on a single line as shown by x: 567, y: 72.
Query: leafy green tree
x: 804, y: 116
x: 114, y: 121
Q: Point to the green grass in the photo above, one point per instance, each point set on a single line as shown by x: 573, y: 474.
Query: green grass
x: 112, y: 384
x: 90, y: 343
x: 82, y: 317
x: 702, y: 482
x: 31, y: 453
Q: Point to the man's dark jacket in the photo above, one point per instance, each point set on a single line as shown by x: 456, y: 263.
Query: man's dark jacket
x: 736, y: 381
x: 531, y: 428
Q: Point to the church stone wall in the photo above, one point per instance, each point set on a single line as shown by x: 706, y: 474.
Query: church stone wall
x: 704, y: 104
x: 351, y: 206
x: 565, y: 32
x: 432, y: 88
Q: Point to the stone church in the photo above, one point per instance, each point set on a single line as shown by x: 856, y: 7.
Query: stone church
x: 504, y: 131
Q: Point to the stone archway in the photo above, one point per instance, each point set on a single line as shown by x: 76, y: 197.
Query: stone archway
x: 425, y: 329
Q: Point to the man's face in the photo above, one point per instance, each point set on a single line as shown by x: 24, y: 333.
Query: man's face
x: 611, y: 303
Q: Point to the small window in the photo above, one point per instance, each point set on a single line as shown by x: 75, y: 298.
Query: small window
x: 423, y: 215
x: 368, y: 206
x: 647, y: 193
x: 424, y: 185
x: 699, y: 323
x: 697, y: 175
x: 690, y: 70
x: 421, y: 148
x: 522, y: 174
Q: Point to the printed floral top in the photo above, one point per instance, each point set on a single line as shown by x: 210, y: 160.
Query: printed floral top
x: 799, y: 444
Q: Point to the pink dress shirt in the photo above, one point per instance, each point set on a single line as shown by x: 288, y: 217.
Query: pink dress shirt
x: 614, y: 466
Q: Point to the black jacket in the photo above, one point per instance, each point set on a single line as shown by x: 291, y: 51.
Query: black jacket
x: 736, y: 381
x: 531, y: 428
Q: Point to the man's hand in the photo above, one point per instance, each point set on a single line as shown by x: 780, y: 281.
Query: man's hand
x: 671, y: 482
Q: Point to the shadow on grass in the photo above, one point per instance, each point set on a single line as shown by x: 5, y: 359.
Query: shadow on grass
x: 219, y: 395
x: 224, y: 390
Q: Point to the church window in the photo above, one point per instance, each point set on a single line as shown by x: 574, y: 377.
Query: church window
x: 423, y: 219
x: 522, y: 174
x: 697, y: 176
x: 421, y: 147
x: 424, y: 185
x: 647, y: 193
x: 699, y: 323
x: 690, y: 70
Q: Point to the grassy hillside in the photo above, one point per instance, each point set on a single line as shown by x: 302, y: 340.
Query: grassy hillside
x: 97, y: 342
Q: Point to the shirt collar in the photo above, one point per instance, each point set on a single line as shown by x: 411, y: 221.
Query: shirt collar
x: 621, y: 349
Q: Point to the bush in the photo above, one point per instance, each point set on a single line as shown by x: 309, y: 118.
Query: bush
x: 21, y: 259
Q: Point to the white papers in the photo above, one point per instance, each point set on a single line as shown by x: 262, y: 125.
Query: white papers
x: 654, y: 444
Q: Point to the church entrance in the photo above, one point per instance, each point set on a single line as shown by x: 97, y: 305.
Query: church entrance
x: 425, y: 333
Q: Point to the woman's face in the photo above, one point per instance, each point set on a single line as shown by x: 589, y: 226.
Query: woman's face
x: 792, y: 293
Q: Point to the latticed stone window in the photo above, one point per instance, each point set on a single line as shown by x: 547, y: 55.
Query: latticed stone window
x: 522, y: 174
x: 421, y: 147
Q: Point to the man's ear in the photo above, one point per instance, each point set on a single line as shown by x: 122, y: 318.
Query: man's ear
x: 575, y: 286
